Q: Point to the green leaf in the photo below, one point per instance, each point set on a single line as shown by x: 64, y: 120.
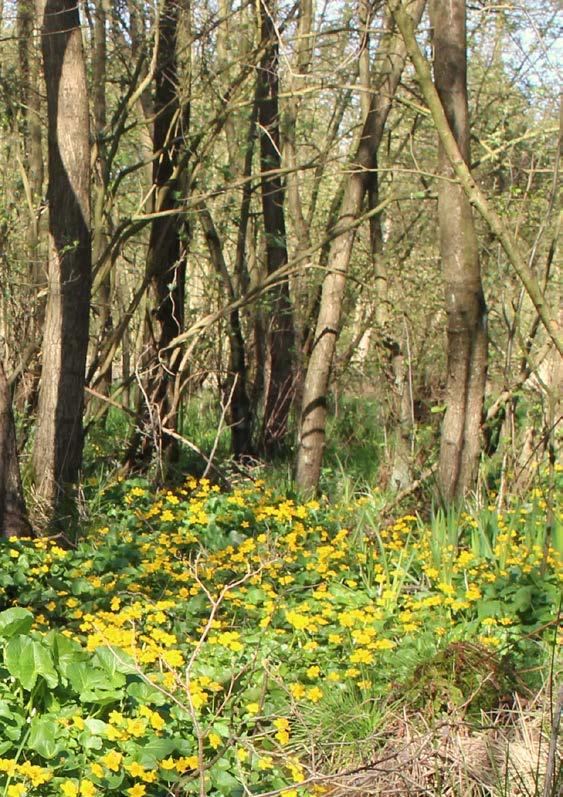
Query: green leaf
x: 65, y: 651
x: 26, y: 659
x: 226, y: 784
x: 146, y: 694
x: 84, y: 677
x: 522, y: 599
x: 157, y: 749
x: 42, y: 736
x: 15, y: 621
x: 95, y: 726
x: 115, y: 664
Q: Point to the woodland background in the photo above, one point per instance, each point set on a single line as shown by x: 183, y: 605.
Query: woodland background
x: 198, y: 199
x: 279, y: 408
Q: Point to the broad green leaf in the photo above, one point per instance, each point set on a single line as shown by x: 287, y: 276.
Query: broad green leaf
x: 15, y: 621
x: 84, y: 677
x: 65, y: 651
x: 226, y: 783
x: 115, y: 663
x: 157, y: 749
x: 95, y: 726
x: 146, y: 694
x: 26, y: 659
x: 43, y: 736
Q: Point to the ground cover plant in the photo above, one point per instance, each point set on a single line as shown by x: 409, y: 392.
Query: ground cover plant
x: 242, y: 642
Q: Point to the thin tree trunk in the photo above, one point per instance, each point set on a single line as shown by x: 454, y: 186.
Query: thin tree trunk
x: 239, y: 409
x: 99, y: 238
x: 460, y: 444
x: 166, y: 258
x: 13, y: 513
x: 280, y: 335
x: 57, y: 455
x: 29, y: 61
x: 313, y: 413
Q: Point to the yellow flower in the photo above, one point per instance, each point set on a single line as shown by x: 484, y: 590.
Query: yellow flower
x: 112, y: 760
x: 383, y: 644
x: 138, y: 790
x: 361, y: 656
x: 135, y: 770
x: 253, y: 708
x: 282, y: 737
x: 136, y: 727
x: 214, y: 740
x: 96, y: 770
x: 16, y: 790
x: 189, y: 762
x: 315, y: 694
x: 242, y: 754
x: 156, y: 721
x: 87, y: 788
x: 69, y: 788
x: 297, y: 690
x: 168, y: 763
x: 299, y: 621
x: 313, y: 672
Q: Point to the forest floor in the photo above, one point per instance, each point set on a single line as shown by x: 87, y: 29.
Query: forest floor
x: 245, y: 643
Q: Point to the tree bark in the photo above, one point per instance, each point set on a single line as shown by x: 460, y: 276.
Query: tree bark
x: 313, y: 412
x: 280, y: 336
x: 13, y: 513
x: 57, y: 455
x: 99, y: 238
x: 166, y: 258
x: 26, y: 394
x: 239, y: 410
x: 460, y: 445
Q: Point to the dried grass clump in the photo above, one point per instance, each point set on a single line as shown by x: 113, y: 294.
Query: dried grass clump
x: 505, y: 758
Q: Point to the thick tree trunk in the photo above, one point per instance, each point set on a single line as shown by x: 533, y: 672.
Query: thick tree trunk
x: 280, y: 336
x: 313, y: 412
x: 13, y: 514
x: 465, y: 304
x: 57, y: 455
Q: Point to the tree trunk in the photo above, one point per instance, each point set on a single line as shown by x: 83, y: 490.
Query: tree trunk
x: 280, y: 336
x: 102, y: 299
x: 465, y: 304
x: 57, y: 455
x: 313, y: 412
x: 26, y: 393
x: 13, y: 514
x: 166, y: 259
x: 240, y: 414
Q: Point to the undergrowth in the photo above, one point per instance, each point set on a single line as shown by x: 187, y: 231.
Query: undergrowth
x: 244, y: 643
